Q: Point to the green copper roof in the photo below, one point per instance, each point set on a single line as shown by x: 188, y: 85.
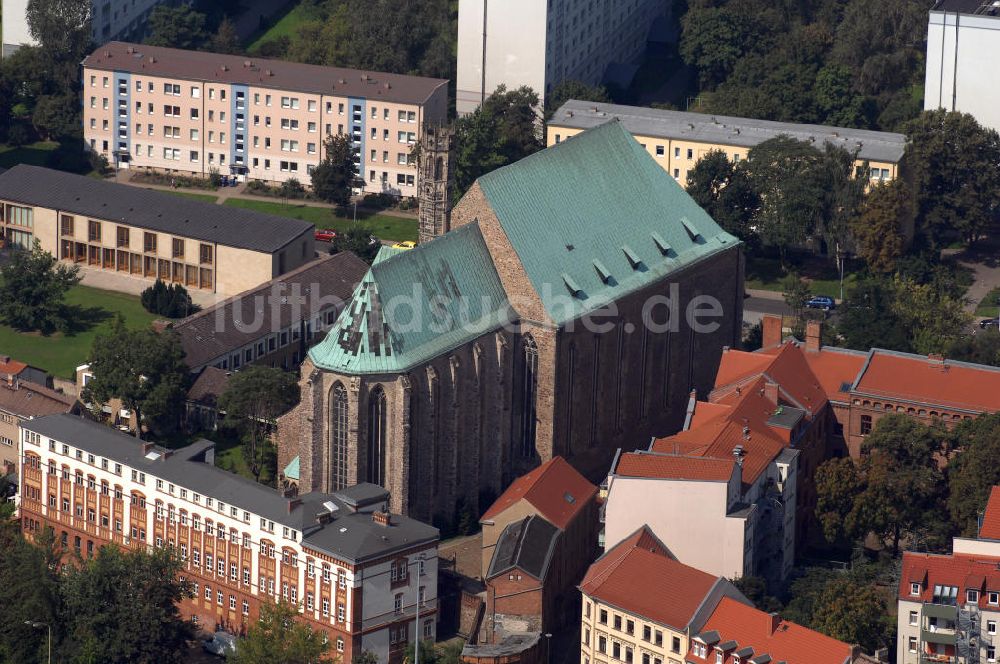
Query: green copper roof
x: 292, y: 469
x: 595, y: 217
x: 415, y: 305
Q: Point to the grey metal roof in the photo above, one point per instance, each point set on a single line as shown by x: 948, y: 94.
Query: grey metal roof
x: 513, y: 644
x: 527, y: 545
x: 350, y: 536
x: 241, y: 320
x: 149, y: 209
x: 726, y: 130
x: 786, y: 417
x: 275, y: 74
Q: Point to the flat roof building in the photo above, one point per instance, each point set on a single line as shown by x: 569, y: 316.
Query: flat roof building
x: 193, y: 112
x: 149, y: 234
x: 678, y: 139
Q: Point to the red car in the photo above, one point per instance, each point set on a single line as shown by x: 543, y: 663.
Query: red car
x: 325, y: 235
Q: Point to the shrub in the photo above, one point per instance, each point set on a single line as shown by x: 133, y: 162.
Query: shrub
x: 172, y: 301
x: 215, y: 177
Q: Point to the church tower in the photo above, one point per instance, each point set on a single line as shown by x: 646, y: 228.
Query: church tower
x: 435, y: 181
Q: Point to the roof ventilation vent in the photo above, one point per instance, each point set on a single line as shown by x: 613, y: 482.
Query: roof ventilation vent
x: 571, y: 285
x: 225, y: 67
x: 603, y: 272
x: 633, y: 258
x: 692, y: 231
x: 268, y: 72
x: 661, y: 244
x: 248, y: 63
x: 152, y: 60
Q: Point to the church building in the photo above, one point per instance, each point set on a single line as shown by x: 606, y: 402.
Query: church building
x: 553, y: 318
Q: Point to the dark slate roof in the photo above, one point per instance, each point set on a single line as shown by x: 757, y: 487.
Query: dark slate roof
x: 209, y: 386
x: 350, y: 536
x: 32, y: 400
x: 276, y: 74
x: 515, y: 644
x: 963, y: 6
x: 149, y: 209
x: 242, y: 319
x: 527, y: 545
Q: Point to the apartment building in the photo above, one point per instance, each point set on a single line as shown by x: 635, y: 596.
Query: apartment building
x: 642, y: 605
x: 541, y: 44
x: 949, y: 605
x: 112, y: 19
x: 677, y: 140
x: 191, y: 112
x: 148, y: 234
x: 275, y: 323
x: 355, y: 571
x: 23, y: 399
x: 963, y: 46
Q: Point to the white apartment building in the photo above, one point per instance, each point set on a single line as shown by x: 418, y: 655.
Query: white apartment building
x: 540, y: 43
x: 112, y: 19
x: 963, y: 48
x: 360, y: 574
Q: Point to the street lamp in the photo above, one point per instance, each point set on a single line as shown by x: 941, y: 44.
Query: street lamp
x: 39, y: 625
x: 548, y: 648
x: 416, y: 636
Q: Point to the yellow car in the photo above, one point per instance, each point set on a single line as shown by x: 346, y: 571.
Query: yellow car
x: 408, y: 244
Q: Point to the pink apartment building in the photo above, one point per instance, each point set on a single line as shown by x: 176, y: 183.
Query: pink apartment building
x: 190, y: 112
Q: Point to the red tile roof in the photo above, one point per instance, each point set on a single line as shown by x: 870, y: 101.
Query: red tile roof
x: 920, y: 379
x: 9, y: 367
x: 546, y: 488
x: 962, y: 571
x: 767, y: 634
x: 991, y: 517
x: 706, y: 411
x: 675, y: 467
x: 785, y: 365
x: 835, y: 367
x: 639, y: 577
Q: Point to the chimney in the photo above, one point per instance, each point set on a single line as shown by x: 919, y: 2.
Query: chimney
x: 771, y: 392
x: 773, y: 620
x: 293, y: 503
x: 382, y: 518
x: 814, y: 332
x: 770, y: 331
x: 738, y: 454
x: 146, y: 447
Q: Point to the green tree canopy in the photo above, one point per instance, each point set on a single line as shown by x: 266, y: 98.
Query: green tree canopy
x: 178, y: 27
x: 29, y: 576
x: 253, y: 400
x: 333, y: 178
x: 851, y: 612
x: 725, y: 192
x: 61, y: 27
x: 952, y: 162
x: 973, y: 472
x: 357, y: 239
x: 33, y: 286
x: 567, y: 90
x: 278, y: 636
x: 121, y: 608
x: 715, y: 38
x: 142, y: 368
x: 881, y: 228
x: 504, y: 129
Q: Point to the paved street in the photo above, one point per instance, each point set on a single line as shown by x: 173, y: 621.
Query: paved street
x: 763, y: 302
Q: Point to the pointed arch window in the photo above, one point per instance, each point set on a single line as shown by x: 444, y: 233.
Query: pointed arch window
x: 338, y: 437
x: 377, y: 421
x: 529, y: 396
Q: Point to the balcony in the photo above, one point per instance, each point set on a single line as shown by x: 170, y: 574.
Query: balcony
x: 407, y: 613
x: 937, y: 659
x: 946, y: 637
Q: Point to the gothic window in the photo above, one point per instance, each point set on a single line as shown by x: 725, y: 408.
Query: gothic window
x: 376, y: 435
x: 594, y: 387
x: 338, y: 437
x: 438, y: 168
x: 529, y: 396
x: 619, y: 370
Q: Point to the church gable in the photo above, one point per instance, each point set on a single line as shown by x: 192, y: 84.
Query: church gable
x: 595, y: 218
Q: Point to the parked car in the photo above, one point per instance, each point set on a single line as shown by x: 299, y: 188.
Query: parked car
x: 407, y: 244
x: 987, y: 323
x: 820, y: 302
x: 222, y: 644
x: 325, y: 235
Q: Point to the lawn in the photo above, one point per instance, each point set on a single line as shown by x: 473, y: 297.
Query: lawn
x: 383, y: 226
x: 36, y: 154
x: 286, y: 26
x: 229, y: 456
x: 767, y: 273
x: 60, y: 354
x: 204, y: 198
x: 987, y: 307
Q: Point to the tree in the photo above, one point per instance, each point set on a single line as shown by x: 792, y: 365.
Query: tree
x: 836, y: 99
x: 177, y: 27
x: 56, y: 117
x: 952, y: 161
x: 570, y: 89
x: 714, y: 39
x: 29, y: 576
x: 32, y: 288
x: 62, y: 27
x: 357, y: 239
x: 334, y: 176
x: 172, y: 301
x: 755, y: 590
x: 253, y: 400
x: 981, y: 348
x: 795, y: 292
x: 121, y: 607
x: 880, y: 230
x: 973, y: 472
x: 226, y: 39
x: 144, y: 369
x: 724, y: 191
x: 504, y: 129
x: 278, y: 636
x: 837, y: 489
x: 851, y: 612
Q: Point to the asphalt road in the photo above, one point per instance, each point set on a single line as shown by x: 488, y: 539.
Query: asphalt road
x: 754, y: 309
